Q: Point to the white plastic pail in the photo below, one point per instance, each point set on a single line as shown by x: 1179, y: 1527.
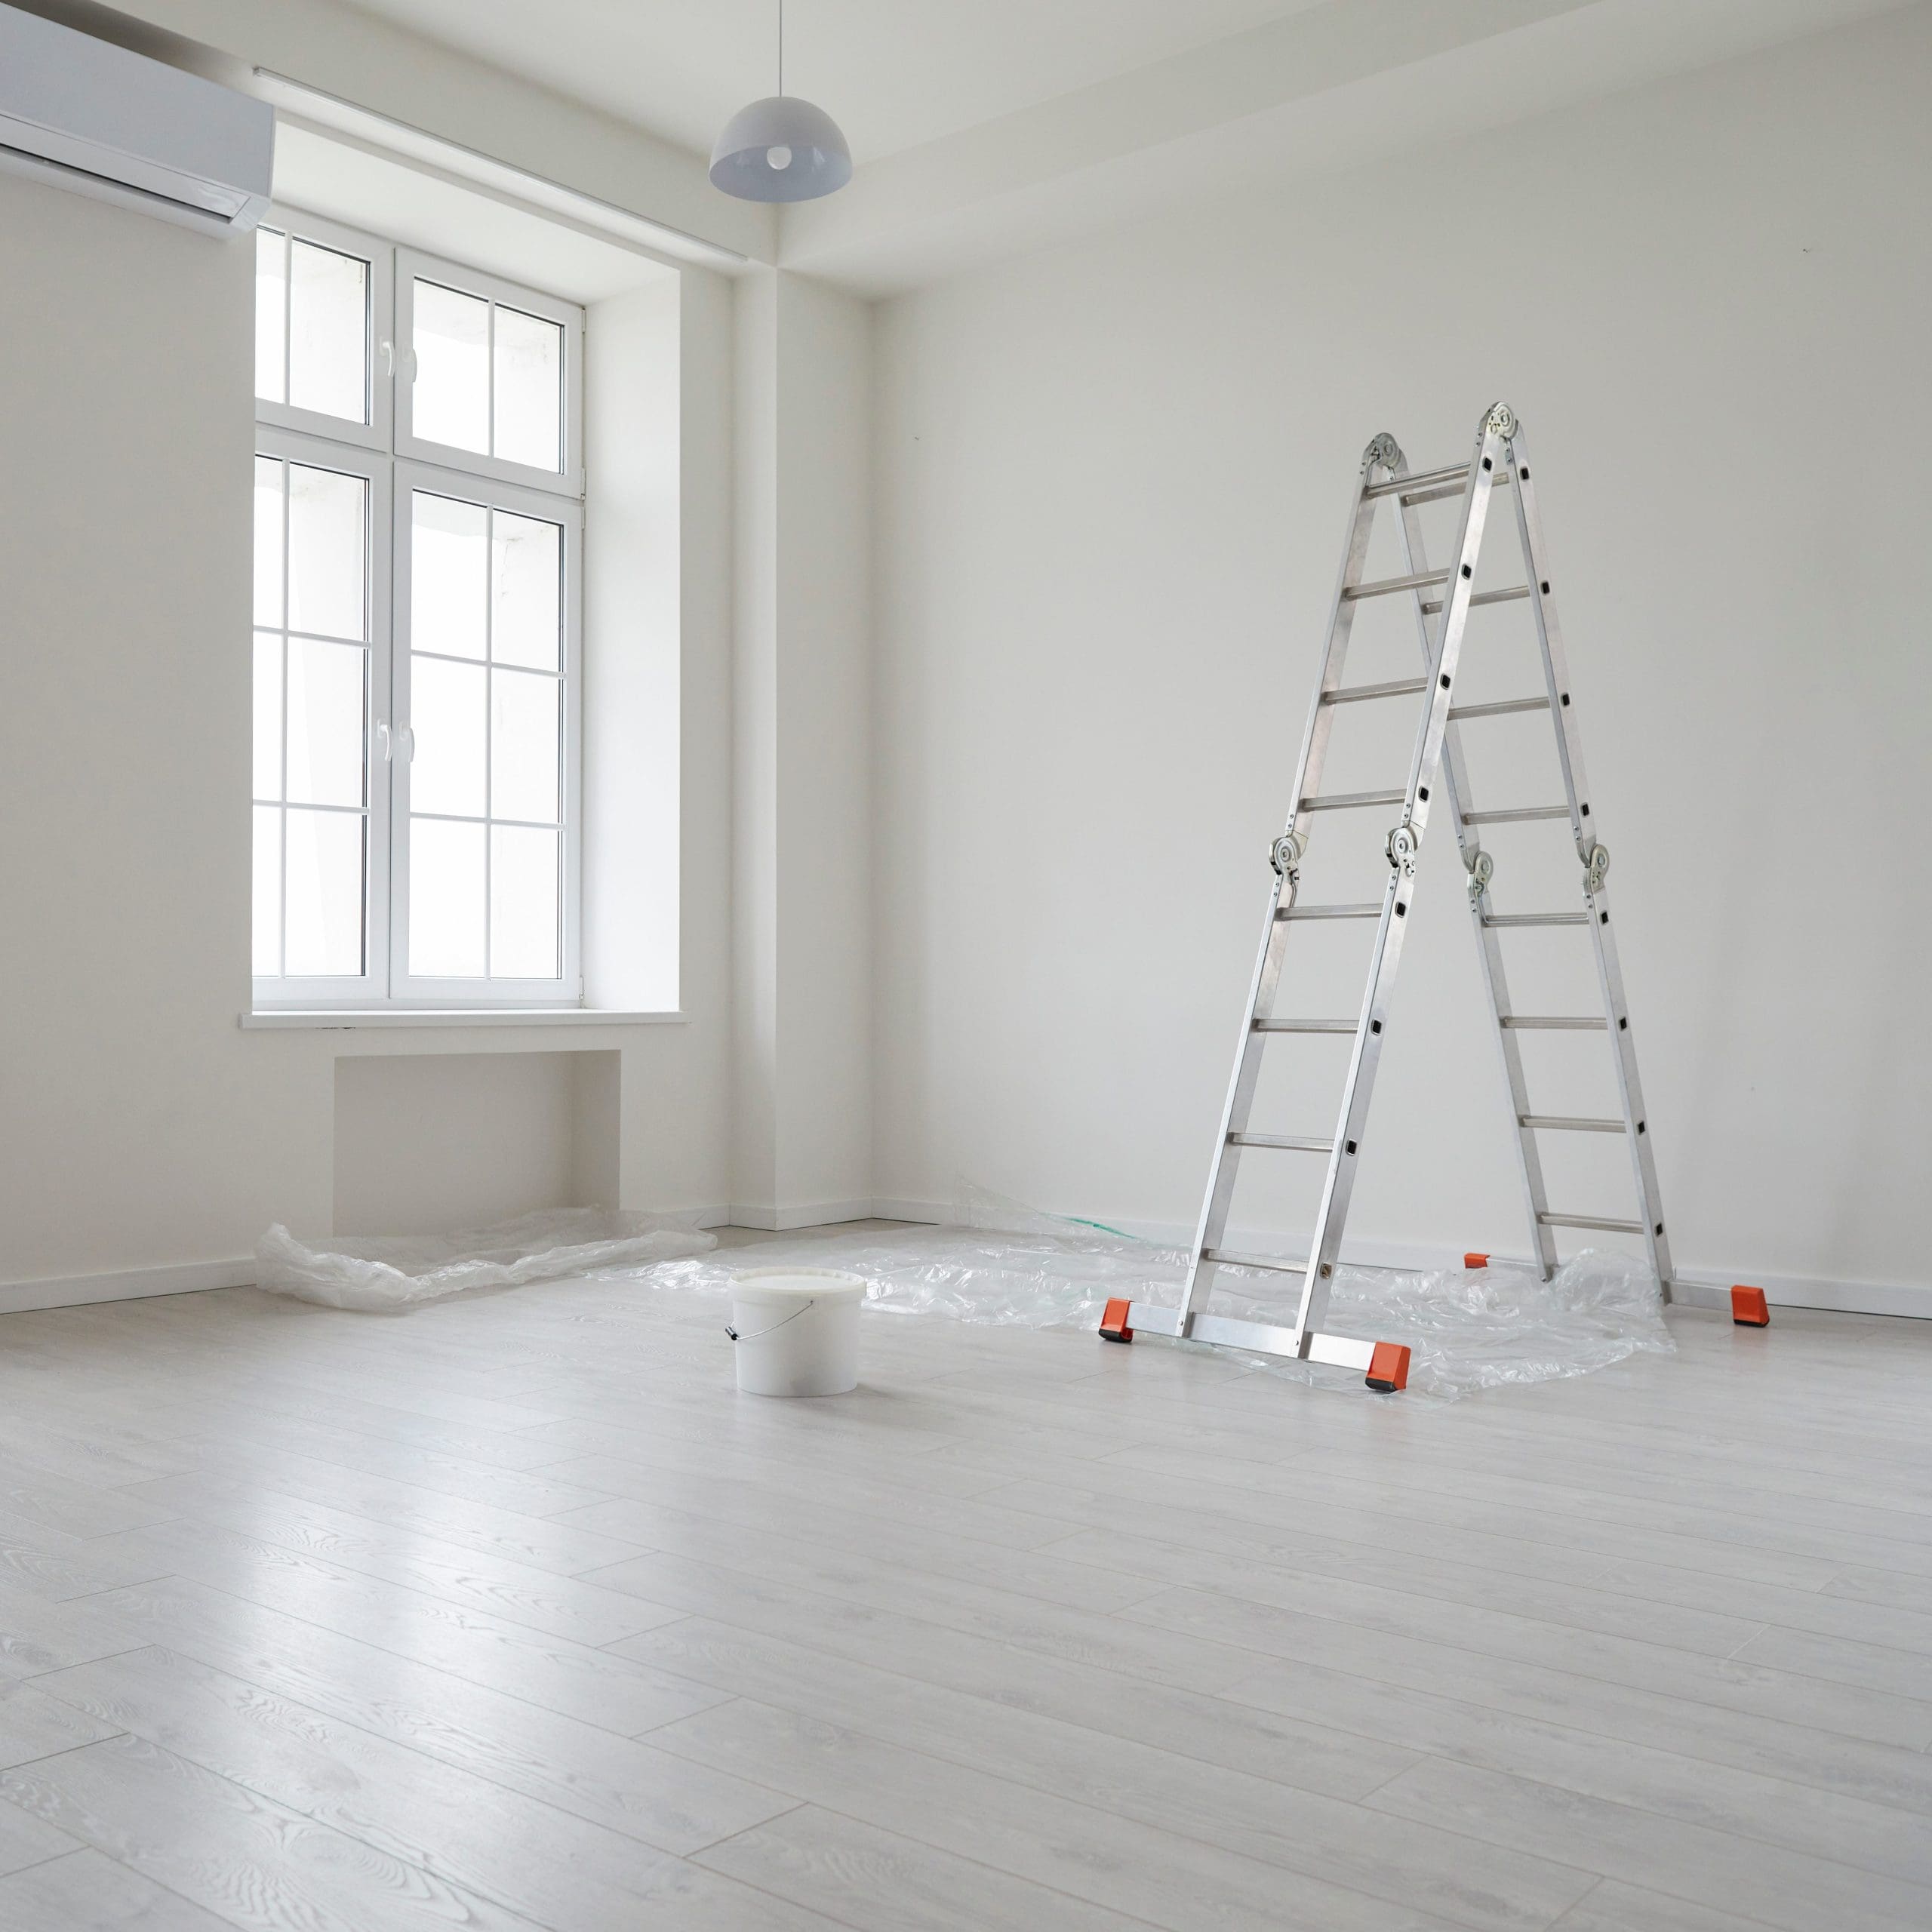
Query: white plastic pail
x: 797, y: 1331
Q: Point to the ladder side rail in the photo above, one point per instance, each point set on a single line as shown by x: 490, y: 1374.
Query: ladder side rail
x: 1489, y: 950
x: 1381, y: 454
x: 1338, y: 1185
x: 1226, y: 1166
x: 1609, y: 976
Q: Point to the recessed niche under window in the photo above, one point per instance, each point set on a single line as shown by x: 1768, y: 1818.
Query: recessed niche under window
x: 427, y: 1143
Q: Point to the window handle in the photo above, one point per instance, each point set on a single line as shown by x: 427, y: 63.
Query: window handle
x: 398, y: 742
x: 386, y: 350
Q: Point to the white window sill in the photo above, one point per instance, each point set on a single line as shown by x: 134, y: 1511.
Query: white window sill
x: 393, y: 1017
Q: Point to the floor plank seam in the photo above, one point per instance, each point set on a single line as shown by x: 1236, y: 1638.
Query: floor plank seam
x: 1395, y: 1903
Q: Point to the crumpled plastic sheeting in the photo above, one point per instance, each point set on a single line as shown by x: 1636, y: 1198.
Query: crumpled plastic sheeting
x: 386, y: 1274
x: 1466, y: 1330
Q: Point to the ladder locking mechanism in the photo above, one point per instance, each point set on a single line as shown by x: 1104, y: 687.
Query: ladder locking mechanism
x: 1384, y: 450
x: 1404, y: 842
x: 1284, y: 855
x: 1502, y: 420
x: 1482, y: 869
x: 1596, y: 863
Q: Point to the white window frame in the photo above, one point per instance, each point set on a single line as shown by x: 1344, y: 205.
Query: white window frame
x: 290, y: 446
x: 567, y: 987
x: 394, y: 462
x: 378, y: 340
x: 410, y: 267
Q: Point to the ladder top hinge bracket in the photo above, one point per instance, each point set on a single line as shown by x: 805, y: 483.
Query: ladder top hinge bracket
x: 1596, y: 863
x: 1284, y: 855
x: 1501, y: 420
x: 1384, y: 450
x: 1482, y: 869
x: 1403, y: 843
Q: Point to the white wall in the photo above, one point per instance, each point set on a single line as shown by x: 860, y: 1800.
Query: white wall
x: 801, y: 858
x: 424, y: 1145
x: 1110, y: 491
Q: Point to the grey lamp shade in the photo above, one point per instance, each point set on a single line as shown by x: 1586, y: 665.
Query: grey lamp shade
x: 780, y: 149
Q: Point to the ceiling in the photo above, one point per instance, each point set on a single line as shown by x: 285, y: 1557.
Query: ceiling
x: 894, y: 74
x: 986, y: 128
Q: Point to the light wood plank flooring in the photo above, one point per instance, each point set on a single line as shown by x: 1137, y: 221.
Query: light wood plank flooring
x: 512, y: 1614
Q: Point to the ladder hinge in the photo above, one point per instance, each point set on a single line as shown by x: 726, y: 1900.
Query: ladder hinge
x: 1403, y: 843
x: 1482, y: 869
x: 1502, y: 420
x: 1384, y: 450
x: 1596, y: 863
x: 1284, y: 855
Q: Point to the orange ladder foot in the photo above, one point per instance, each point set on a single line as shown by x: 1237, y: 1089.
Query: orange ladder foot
x: 1113, y: 1322
x: 1476, y: 1261
x: 1748, y: 1308
x: 1389, y: 1368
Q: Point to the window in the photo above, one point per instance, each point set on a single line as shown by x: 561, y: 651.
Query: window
x: 418, y: 552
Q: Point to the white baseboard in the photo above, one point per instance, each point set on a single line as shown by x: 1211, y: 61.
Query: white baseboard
x: 811, y: 1214
x: 183, y: 1278
x: 937, y: 1212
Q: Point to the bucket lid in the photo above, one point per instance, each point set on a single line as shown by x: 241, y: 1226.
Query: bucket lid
x: 781, y: 1287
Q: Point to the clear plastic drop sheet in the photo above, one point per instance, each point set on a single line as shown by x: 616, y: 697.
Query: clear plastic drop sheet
x: 385, y: 1274
x: 1008, y: 1265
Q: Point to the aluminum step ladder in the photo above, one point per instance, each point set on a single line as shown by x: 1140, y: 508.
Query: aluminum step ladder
x: 1443, y: 598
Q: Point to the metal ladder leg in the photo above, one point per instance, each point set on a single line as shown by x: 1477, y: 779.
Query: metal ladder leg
x: 1403, y: 847
x: 1285, y: 853
x: 1478, y: 867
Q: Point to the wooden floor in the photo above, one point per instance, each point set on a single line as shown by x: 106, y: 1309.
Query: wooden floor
x: 512, y: 1614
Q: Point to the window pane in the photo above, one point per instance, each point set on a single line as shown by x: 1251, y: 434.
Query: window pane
x: 445, y: 899
x: 267, y: 540
x: 526, y: 555
x: 324, y: 894
x: 326, y: 711
x: 327, y: 335
x: 523, y: 904
x: 450, y: 400
x: 328, y: 526
x: 529, y: 389
x: 271, y: 312
x: 449, y: 575
x: 268, y: 716
x: 268, y: 891
x: 446, y: 713
x: 523, y: 745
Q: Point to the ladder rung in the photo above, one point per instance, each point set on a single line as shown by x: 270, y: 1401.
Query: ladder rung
x: 1226, y: 1257
x: 1387, y: 586
x: 1609, y: 1227
x: 1450, y: 482
x: 1291, y: 1143
x: 1536, y: 919
x: 1343, y: 801
x: 1423, y: 479
x: 1523, y: 1023
x: 1305, y: 1025
x: 1374, y: 912
x: 1516, y: 815
x: 1569, y: 1124
x: 1354, y: 694
x: 1501, y: 709
x: 1509, y: 596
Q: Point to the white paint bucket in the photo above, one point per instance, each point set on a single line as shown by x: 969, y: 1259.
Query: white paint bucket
x: 796, y: 1331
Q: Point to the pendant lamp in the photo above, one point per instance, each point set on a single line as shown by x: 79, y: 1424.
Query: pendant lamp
x: 780, y: 149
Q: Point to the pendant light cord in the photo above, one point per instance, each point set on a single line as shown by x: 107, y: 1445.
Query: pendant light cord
x: 781, y: 46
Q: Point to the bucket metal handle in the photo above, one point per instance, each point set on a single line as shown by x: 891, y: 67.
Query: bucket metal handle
x: 775, y: 1326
